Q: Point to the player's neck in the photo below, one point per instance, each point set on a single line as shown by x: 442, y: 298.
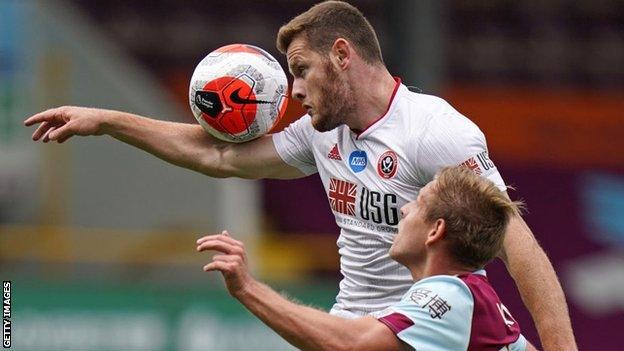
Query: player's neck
x: 439, y: 266
x: 374, y: 88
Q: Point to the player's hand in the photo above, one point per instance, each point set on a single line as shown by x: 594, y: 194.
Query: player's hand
x: 62, y: 123
x: 231, y: 262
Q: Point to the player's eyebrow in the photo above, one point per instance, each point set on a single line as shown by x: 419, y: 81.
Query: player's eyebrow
x: 293, y: 65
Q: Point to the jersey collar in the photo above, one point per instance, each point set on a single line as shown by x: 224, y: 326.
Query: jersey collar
x: 383, y: 117
x: 480, y: 272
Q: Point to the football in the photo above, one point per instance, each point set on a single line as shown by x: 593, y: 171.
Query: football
x: 238, y: 92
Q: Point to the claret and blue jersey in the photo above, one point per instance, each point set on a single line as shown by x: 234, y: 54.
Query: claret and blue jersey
x: 454, y: 313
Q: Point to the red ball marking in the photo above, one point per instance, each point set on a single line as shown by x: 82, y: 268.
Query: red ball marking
x: 235, y: 117
x: 281, y: 113
x: 238, y: 48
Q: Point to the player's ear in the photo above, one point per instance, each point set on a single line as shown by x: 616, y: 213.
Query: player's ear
x: 437, y: 232
x: 341, y: 53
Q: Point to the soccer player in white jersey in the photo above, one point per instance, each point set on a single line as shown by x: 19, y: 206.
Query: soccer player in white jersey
x: 445, y: 237
x: 374, y: 144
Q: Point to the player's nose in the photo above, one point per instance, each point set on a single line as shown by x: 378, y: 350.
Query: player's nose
x: 298, y: 90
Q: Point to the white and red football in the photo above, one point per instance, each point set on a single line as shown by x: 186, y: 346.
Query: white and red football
x: 238, y: 92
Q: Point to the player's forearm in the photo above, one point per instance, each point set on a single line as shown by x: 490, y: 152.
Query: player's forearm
x: 304, y: 327
x: 184, y: 145
x: 539, y: 287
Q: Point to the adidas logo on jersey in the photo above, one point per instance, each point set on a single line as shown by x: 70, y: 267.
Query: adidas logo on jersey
x: 334, y: 154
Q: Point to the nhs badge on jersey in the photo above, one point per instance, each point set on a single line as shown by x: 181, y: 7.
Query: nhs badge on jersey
x: 358, y: 161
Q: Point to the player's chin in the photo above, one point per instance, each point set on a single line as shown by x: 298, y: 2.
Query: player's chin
x: 393, y: 252
x: 322, y: 123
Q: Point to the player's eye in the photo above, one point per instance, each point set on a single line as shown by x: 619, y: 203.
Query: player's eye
x: 295, y: 71
x: 301, y: 71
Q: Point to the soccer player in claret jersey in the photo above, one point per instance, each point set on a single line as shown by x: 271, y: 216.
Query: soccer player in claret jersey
x: 373, y: 142
x: 455, y: 226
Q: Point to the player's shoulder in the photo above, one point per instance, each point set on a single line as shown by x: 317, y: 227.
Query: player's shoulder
x: 447, y: 288
x: 437, y: 116
x: 435, y: 314
x: 449, y: 285
x: 425, y: 102
x: 480, y: 287
x: 445, y: 295
x: 421, y: 107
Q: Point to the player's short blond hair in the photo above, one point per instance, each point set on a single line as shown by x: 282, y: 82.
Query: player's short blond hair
x: 325, y: 22
x: 475, y: 212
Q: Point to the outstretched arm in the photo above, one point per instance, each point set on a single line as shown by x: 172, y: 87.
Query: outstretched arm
x: 184, y: 145
x: 538, y: 285
x: 304, y: 327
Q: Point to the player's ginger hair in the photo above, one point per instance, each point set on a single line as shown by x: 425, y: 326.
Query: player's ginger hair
x: 325, y: 22
x: 475, y: 212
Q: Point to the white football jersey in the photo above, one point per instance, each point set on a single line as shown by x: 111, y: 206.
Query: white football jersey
x: 369, y: 176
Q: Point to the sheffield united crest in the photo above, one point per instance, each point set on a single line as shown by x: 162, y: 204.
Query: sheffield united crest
x: 387, y: 164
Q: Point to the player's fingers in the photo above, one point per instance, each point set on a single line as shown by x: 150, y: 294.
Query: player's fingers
x: 226, y: 238
x: 64, y: 131
x: 47, y: 115
x: 41, y: 130
x: 208, y: 237
x: 46, y: 136
x: 235, y: 263
x: 204, y: 238
x: 221, y: 258
x: 235, y: 259
x: 220, y: 246
x: 217, y: 266
x: 225, y: 235
x: 36, y: 118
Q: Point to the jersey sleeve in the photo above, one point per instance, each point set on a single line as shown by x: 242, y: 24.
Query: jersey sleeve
x: 452, y: 140
x: 518, y: 345
x: 435, y: 314
x: 294, y: 145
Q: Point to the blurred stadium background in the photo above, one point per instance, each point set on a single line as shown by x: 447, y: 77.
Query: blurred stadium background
x: 98, y: 238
